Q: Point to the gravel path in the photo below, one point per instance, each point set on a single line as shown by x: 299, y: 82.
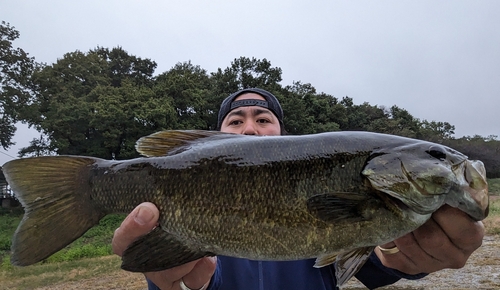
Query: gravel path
x: 482, y: 271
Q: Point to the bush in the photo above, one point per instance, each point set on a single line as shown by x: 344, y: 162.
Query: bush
x: 6, y: 265
x: 8, y: 225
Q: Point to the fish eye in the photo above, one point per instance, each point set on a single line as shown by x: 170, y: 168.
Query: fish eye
x: 437, y: 152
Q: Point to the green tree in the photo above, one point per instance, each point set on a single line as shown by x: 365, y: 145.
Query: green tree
x: 245, y: 73
x: 187, y: 87
x: 16, y: 68
x: 308, y: 112
x: 326, y: 111
x: 98, y: 104
x: 406, y: 124
x: 435, y: 131
x: 297, y: 120
x: 362, y: 117
x: 38, y: 147
x: 395, y: 121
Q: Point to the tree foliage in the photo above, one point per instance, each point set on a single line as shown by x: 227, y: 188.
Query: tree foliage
x: 247, y: 72
x: 186, y: 87
x: 436, y: 131
x: 16, y: 68
x: 97, y: 103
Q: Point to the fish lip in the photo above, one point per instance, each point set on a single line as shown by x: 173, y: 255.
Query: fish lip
x: 472, y: 197
x: 475, y: 175
x: 482, y: 202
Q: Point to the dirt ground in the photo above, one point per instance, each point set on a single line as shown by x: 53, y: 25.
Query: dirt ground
x: 115, y: 281
x: 482, y: 271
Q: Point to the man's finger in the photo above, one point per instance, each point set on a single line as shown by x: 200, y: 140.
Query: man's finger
x: 465, y: 233
x: 201, y: 273
x: 138, y: 223
x: 170, y: 278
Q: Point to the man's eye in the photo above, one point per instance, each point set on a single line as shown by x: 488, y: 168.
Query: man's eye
x: 263, y: 121
x: 235, y: 122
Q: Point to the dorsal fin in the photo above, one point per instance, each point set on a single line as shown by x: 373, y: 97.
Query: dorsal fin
x: 171, y: 142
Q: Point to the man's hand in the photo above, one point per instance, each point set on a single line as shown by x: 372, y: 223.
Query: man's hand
x: 142, y: 220
x: 445, y: 241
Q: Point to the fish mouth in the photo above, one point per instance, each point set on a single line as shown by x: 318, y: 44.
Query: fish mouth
x: 475, y: 186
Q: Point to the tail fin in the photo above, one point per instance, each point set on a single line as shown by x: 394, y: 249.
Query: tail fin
x: 55, y: 194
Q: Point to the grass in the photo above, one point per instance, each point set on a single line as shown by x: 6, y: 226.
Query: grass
x: 47, y: 274
x: 492, y: 222
x: 8, y: 223
x: 494, y: 186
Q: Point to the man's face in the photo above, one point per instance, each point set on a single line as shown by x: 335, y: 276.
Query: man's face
x: 251, y: 120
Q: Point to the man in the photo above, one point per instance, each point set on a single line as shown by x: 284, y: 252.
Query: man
x: 445, y: 241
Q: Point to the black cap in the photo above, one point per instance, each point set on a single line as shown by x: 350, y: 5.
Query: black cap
x: 271, y: 103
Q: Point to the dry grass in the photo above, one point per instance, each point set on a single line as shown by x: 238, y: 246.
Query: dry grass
x: 93, y: 273
x: 492, y: 225
x: 492, y: 222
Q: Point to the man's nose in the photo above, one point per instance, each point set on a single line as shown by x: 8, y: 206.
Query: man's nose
x: 249, y: 129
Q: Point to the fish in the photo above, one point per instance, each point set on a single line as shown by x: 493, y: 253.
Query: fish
x: 332, y: 196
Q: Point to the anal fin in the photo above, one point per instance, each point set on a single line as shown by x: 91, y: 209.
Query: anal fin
x: 156, y: 251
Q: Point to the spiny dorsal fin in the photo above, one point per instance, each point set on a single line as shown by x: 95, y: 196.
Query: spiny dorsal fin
x: 171, y: 142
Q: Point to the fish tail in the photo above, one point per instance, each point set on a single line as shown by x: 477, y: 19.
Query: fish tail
x: 55, y: 194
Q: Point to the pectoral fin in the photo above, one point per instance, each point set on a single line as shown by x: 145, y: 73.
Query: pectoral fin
x: 325, y: 260
x: 348, y: 264
x: 332, y: 207
x: 158, y: 251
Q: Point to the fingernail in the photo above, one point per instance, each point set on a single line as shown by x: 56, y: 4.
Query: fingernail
x: 144, y: 215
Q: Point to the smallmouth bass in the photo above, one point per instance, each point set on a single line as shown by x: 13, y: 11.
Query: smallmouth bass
x: 333, y: 196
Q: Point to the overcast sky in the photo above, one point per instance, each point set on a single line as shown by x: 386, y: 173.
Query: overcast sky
x: 440, y: 60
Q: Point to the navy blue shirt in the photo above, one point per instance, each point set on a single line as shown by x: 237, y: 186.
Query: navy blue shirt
x: 234, y: 273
